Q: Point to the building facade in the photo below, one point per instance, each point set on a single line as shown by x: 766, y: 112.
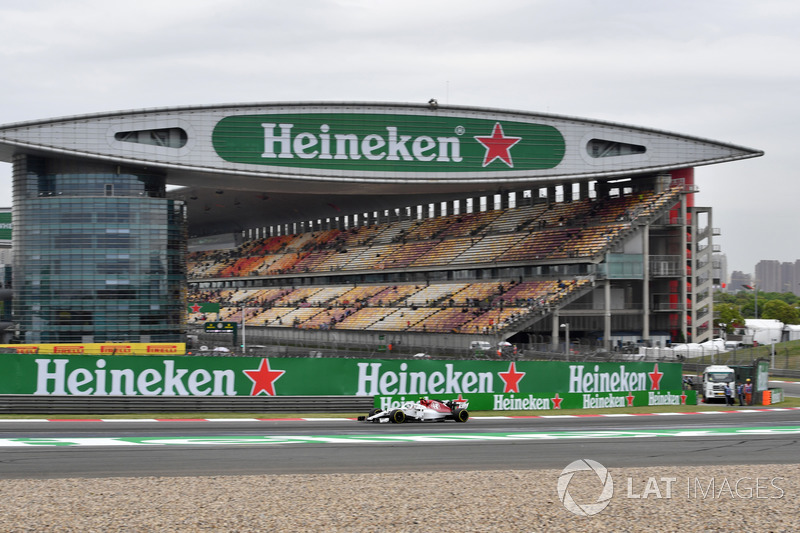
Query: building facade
x: 99, y: 253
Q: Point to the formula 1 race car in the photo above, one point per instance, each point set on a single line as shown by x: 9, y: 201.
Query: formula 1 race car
x: 421, y: 411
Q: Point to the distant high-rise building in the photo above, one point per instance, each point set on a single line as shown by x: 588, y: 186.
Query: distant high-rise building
x: 768, y: 275
x: 791, y: 281
x: 719, y: 271
x: 776, y: 276
x: 796, y: 284
x: 787, y: 277
x: 738, y: 280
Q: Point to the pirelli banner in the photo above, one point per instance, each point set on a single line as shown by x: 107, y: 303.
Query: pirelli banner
x: 488, y: 385
x: 109, y: 348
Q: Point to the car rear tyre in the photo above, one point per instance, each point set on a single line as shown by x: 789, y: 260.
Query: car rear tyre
x: 460, y: 415
x: 397, y: 416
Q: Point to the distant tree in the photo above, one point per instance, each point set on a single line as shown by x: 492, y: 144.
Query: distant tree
x: 729, y: 315
x: 748, y: 308
x: 787, y: 297
x: 780, y: 310
x: 729, y: 297
x: 745, y: 302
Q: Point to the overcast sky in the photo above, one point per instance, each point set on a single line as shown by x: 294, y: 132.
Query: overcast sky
x: 726, y: 70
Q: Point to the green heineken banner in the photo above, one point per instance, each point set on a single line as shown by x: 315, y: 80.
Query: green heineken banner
x: 203, y: 307
x: 488, y: 385
x: 384, y: 142
x: 5, y: 226
x: 539, y: 385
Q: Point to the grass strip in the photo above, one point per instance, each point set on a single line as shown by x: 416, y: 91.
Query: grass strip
x: 788, y: 402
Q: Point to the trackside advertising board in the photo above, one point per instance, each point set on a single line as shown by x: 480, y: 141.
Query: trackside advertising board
x: 109, y: 348
x: 488, y: 385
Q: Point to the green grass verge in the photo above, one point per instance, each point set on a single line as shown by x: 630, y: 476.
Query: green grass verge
x: 787, y: 355
x: 788, y: 402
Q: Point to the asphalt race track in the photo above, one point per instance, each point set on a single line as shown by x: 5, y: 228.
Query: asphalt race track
x: 790, y: 388
x: 46, y: 449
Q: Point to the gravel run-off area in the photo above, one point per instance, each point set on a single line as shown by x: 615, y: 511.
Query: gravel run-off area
x: 718, y: 498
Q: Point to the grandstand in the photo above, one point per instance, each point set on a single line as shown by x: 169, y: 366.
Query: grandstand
x: 415, y: 226
x: 513, y: 272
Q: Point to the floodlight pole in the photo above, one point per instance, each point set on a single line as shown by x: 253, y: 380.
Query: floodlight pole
x: 755, y: 297
x: 244, y: 321
x: 754, y: 288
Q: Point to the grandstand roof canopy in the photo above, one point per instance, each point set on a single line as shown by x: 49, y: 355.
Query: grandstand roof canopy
x: 249, y: 165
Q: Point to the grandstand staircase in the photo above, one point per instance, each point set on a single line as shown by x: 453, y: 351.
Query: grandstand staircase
x: 643, y: 216
x: 648, y: 214
x: 578, y: 291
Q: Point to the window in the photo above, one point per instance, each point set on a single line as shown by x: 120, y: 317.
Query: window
x: 602, y: 148
x: 169, y: 138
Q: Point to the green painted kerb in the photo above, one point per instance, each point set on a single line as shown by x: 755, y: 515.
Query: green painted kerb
x: 387, y: 143
x: 425, y: 438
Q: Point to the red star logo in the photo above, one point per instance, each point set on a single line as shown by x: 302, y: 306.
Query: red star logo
x: 630, y: 397
x: 264, y: 378
x: 498, y: 146
x: 511, y: 378
x: 683, y: 398
x: 556, y: 402
x: 195, y: 308
x: 655, y: 378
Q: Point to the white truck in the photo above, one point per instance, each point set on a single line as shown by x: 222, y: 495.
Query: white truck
x: 715, y: 377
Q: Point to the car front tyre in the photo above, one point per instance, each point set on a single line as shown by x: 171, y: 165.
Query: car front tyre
x: 398, y: 416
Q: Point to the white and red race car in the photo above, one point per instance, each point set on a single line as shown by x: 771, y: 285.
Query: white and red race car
x: 423, y: 410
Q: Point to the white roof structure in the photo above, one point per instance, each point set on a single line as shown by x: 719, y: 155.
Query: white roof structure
x: 309, y: 160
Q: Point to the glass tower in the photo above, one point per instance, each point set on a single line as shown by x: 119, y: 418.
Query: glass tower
x: 99, y: 253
